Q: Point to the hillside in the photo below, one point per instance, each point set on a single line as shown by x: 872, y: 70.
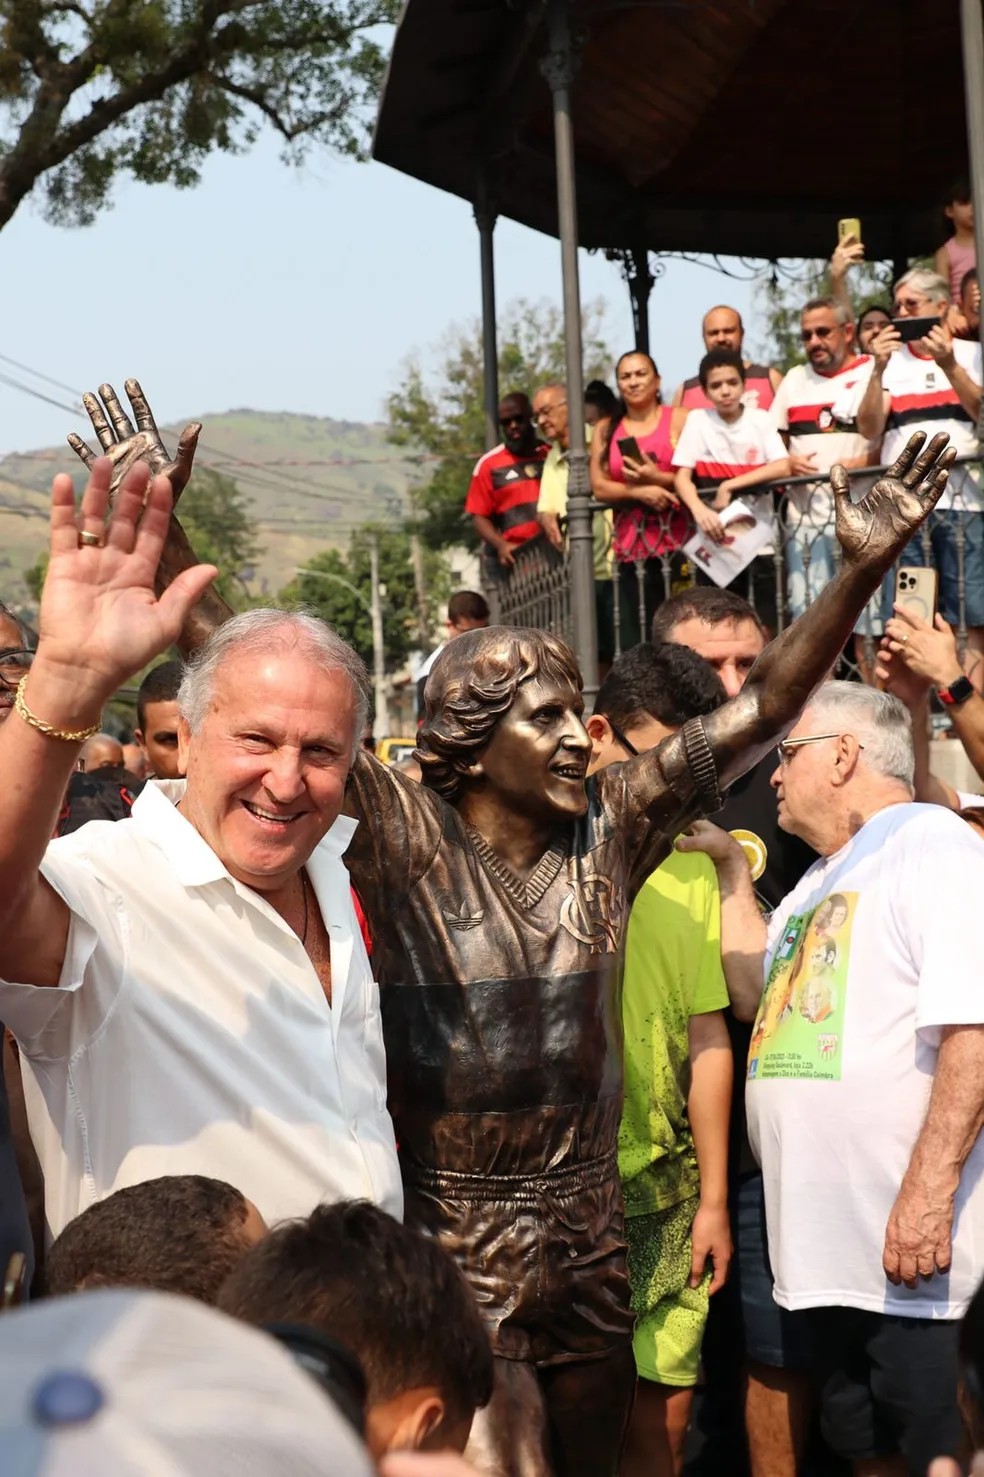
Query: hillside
x: 309, y: 480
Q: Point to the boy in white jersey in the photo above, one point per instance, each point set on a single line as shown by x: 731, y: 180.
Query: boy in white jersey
x: 722, y: 451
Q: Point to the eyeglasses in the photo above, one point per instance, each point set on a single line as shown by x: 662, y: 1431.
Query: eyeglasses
x: 545, y: 410
x: 14, y: 663
x: 820, y: 333
x: 910, y: 304
x: 620, y: 738
x: 787, y: 749
x: 514, y: 420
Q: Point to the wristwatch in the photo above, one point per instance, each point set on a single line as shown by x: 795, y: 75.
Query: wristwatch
x: 958, y: 692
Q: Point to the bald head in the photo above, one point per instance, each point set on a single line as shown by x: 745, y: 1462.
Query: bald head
x: 723, y: 329
x: 101, y: 751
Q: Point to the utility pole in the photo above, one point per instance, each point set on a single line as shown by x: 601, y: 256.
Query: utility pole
x: 381, y: 724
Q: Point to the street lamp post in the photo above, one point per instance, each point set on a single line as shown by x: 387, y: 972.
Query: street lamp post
x: 374, y: 611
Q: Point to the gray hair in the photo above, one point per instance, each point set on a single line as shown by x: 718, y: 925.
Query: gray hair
x: 926, y: 282
x: 876, y: 719
x: 840, y: 310
x: 264, y: 631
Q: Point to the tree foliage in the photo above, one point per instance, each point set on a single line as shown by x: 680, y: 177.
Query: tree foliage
x: 349, y: 613
x: 216, y: 518
x: 93, y: 88
x: 440, y: 414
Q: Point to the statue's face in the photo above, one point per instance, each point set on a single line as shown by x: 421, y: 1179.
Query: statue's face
x: 537, y: 758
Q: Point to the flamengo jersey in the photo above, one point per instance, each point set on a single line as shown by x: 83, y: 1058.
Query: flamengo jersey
x: 715, y: 449
x: 922, y: 399
x: 758, y: 393
x: 505, y: 488
x: 819, y: 411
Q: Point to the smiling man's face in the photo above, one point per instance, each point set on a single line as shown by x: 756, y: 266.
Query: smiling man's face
x: 267, y: 768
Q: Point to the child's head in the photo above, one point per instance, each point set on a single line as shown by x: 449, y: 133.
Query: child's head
x: 395, y: 1300
x: 179, y: 1233
x: 958, y: 207
x: 722, y: 378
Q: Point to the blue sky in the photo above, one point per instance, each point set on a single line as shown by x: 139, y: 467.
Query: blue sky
x: 281, y: 289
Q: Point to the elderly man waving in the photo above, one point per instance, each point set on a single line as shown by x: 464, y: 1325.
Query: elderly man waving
x: 195, y: 995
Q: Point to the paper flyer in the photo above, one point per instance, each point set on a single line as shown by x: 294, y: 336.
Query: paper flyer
x: 746, y: 536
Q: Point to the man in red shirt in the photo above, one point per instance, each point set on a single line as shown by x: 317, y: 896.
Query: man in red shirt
x: 505, y: 484
x: 722, y: 328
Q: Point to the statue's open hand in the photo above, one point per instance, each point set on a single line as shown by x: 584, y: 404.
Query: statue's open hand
x: 126, y: 445
x: 874, y: 531
x: 100, y: 619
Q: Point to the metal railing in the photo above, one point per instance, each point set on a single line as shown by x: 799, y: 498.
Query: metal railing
x: 537, y: 590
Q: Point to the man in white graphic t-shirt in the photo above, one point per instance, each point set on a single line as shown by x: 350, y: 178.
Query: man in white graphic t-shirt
x: 932, y: 385
x: 811, y: 414
x: 865, y: 1088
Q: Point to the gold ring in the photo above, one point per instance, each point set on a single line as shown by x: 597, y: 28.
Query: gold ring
x: 904, y: 639
x: 89, y: 540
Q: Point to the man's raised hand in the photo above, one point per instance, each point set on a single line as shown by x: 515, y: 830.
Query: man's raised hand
x: 126, y: 444
x: 100, y: 619
x: 874, y: 531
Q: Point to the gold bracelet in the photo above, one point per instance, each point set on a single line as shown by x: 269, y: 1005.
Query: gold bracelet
x: 67, y: 735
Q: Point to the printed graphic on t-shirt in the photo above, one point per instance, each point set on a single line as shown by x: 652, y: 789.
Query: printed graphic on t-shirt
x: 799, y: 1031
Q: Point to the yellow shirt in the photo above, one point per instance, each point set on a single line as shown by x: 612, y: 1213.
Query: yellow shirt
x: 553, y: 499
x: 673, y: 970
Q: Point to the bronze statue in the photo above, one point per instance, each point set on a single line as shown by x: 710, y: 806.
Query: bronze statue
x: 498, y: 893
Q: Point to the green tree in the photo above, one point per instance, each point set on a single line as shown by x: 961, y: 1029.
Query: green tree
x: 93, y: 88
x: 215, y: 515
x: 344, y: 597
x: 440, y: 415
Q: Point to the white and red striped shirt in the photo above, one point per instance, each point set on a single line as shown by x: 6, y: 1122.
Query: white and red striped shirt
x: 819, y: 412
x: 922, y: 399
x: 714, y: 450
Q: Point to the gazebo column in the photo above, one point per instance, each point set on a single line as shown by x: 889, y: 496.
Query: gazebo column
x: 559, y: 67
x: 485, y: 218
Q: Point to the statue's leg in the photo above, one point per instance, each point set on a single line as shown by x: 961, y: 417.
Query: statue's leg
x: 509, y: 1437
x: 588, y: 1407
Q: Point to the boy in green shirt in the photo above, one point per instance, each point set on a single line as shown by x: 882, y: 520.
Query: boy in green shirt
x: 673, y: 1141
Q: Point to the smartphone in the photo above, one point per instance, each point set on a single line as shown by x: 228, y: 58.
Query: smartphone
x: 849, y: 226
x: 629, y: 446
x: 915, y: 590
x: 909, y: 329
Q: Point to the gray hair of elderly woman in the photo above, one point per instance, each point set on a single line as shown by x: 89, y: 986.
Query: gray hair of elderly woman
x: 876, y: 719
x: 265, y: 631
x: 471, y: 686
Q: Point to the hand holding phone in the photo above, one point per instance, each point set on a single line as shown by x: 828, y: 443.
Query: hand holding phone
x: 910, y: 329
x: 849, y: 226
x: 629, y: 447
x: 915, y: 590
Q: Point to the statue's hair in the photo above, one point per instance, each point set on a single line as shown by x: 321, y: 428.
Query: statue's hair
x: 471, y: 686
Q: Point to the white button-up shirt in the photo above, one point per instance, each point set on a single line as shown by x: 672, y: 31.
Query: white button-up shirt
x: 190, y: 1033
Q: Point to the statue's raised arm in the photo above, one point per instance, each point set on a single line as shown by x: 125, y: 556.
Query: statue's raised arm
x: 710, y: 753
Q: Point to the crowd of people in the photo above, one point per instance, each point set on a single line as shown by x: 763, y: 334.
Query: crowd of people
x: 501, y: 1113
x: 666, y: 472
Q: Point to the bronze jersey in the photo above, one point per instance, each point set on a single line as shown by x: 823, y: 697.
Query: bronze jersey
x: 501, y: 1015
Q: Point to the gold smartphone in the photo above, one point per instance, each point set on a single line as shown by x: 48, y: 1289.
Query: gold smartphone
x: 915, y: 590
x: 849, y: 226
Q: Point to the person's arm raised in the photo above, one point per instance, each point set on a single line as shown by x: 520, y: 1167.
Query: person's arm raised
x: 100, y: 623
x: 127, y: 440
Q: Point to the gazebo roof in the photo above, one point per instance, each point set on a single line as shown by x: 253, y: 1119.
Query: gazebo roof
x: 744, y: 127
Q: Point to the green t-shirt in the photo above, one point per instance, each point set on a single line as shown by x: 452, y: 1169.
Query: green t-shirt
x: 673, y: 970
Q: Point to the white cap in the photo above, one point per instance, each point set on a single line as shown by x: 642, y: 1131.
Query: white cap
x: 121, y: 1383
